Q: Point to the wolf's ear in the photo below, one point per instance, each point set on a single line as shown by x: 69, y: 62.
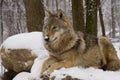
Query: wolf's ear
x: 61, y: 14
x: 47, y: 13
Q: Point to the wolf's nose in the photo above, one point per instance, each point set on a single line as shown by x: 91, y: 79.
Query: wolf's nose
x: 46, y: 38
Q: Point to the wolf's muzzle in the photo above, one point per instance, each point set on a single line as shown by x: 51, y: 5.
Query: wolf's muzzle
x: 46, y: 38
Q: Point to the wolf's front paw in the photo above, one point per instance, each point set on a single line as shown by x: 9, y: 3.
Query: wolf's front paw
x: 45, y: 76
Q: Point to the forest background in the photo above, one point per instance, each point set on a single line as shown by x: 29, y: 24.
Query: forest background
x: 96, y: 17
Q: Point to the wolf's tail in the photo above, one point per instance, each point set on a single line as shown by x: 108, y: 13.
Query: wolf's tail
x: 109, y: 52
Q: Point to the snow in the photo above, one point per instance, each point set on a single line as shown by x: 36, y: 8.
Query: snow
x: 26, y: 76
x: 117, y: 47
x: 34, y: 42
x: 87, y: 74
x: 36, y: 68
x: 24, y: 40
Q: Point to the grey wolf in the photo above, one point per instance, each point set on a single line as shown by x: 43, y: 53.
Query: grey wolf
x: 68, y: 48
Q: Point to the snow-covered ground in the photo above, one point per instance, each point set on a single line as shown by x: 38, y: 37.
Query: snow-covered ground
x: 34, y: 42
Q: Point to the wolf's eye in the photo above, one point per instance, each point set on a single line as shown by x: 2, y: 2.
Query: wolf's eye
x: 54, y: 27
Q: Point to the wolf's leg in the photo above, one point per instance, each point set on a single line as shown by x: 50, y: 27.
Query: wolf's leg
x: 47, y: 63
x: 58, y: 65
x: 113, y: 62
x: 113, y: 65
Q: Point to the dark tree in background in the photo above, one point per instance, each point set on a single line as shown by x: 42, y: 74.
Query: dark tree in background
x: 113, y: 24
x: 56, y: 5
x: 14, y: 13
x: 78, y: 15
x: 101, y: 18
x: 1, y: 26
x: 34, y: 14
x: 91, y: 16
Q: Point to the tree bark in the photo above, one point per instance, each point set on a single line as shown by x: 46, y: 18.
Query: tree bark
x: 1, y: 32
x: 91, y: 16
x: 47, y: 3
x: 78, y: 15
x: 34, y: 14
x: 113, y: 17
x: 101, y: 19
x: 13, y: 18
x: 1, y: 25
x: 65, y: 6
x: 56, y: 5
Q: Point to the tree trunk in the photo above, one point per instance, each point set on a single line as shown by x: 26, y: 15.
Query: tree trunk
x: 91, y: 16
x: 113, y: 26
x: 1, y: 32
x: 1, y: 25
x: 101, y: 19
x: 34, y: 14
x: 118, y: 17
x: 47, y: 3
x: 78, y: 15
x: 13, y: 17
x: 56, y: 5
x: 69, y: 3
x: 65, y: 6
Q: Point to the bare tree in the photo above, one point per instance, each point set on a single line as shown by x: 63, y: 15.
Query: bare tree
x: 34, y: 14
x: 65, y: 6
x: 78, y: 15
x: 47, y: 3
x: 113, y: 26
x: 101, y: 19
x: 91, y: 16
x: 56, y: 5
x: 20, y: 27
x: 118, y: 15
x: 1, y: 25
x: 1, y: 32
x: 52, y: 4
x: 13, y: 17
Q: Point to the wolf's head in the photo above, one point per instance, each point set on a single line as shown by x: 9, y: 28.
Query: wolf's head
x: 55, y: 25
x: 58, y: 33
